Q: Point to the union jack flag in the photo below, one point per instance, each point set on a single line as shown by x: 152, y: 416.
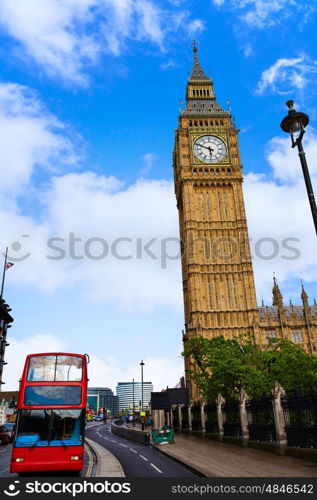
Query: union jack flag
x: 9, y: 264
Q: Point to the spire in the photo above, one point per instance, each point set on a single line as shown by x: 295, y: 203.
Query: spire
x: 198, y: 74
x: 277, y: 295
x: 200, y: 97
x: 304, y: 296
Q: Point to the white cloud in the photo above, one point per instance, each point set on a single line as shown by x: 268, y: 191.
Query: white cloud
x: 195, y: 27
x: 288, y: 75
x: 89, y: 206
x: 162, y: 372
x: 278, y: 208
x: 19, y: 349
x: 284, y: 159
x: 53, y: 34
x: 265, y: 13
x: 148, y: 160
x: 101, y: 372
x: 65, y: 38
x: 168, y: 64
x: 30, y: 138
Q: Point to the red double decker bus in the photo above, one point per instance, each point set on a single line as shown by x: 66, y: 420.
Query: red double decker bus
x: 51, y: 415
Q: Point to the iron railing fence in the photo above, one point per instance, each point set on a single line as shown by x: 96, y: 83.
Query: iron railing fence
x: 211, y: 420
x: 231, y: 419
x: 300, y: 413
x: 175, y: 422
x: 196, y: 418
x: 261, y: 422
x: 185, y: 421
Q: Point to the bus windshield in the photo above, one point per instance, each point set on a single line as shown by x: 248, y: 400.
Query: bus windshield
x: 50, y: 428
x: 52, y: 368
x: 52, y: 395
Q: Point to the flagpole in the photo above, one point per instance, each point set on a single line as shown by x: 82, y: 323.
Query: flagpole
x: 4, y: 271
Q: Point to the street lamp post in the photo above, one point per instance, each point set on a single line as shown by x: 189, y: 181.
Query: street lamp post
x: 295, y: 123
x: 142, y: 420
x: 133, y: 422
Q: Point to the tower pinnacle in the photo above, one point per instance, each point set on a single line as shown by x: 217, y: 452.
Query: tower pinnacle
x: 277, y: 295
x: 198, y: 75
x: 304, y: 296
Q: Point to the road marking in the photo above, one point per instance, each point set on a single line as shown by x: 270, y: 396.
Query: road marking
x: 3, y: 470
x: 133, y: 450
x: 123, y: 445
x: 90, y: 462
x: 107, y: 439
x: 158, y: 470
x: 113, y: 441
x: 144, y: 458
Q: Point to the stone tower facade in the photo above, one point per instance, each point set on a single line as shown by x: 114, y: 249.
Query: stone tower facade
x: 218, y: 282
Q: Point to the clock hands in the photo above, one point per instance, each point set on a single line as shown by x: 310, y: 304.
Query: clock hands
x: 207, y: 147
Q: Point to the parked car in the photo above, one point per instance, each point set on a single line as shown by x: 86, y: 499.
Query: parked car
x: 10, y: 426
x: 5, y: 435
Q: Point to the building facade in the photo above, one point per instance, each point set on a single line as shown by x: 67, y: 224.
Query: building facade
x: 126, y: 390
x: 218, y: 281
x: 5, y: 323
x: 102, y: 397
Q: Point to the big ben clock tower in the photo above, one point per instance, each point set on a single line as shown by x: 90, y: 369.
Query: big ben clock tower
x: 218, y: 281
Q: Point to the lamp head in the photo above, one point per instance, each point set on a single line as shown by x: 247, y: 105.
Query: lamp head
x: 294, y: 122
x: 290, y: 105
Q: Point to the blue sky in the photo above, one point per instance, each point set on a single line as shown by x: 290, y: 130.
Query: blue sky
x: 89, y: 100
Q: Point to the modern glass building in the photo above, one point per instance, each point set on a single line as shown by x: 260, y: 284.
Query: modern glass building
x: 125, y: 394
x: 102, y: 397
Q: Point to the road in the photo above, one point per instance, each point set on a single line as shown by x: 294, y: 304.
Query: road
x: 5, y: 457
x: 137, y: 460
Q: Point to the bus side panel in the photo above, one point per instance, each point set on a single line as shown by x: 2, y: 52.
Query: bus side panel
x: 47, y: 458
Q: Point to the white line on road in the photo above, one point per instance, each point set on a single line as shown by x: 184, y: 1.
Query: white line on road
x: 113, y: 441
x: 144, y: 458
x: 123, y: 445
x: 3, y: 470
x: 158, y: 470
x: 133, y: 450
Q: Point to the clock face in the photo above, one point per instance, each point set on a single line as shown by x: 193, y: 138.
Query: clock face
x: 210, y: 149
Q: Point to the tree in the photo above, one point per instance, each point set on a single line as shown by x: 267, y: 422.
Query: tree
x: 226, y: 366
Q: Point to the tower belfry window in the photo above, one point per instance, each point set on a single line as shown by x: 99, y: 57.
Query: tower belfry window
x: 216, y: 295
x: 228, y: 293
x: 209, y: 292
x: 219, y: 205
x: 234, y: 292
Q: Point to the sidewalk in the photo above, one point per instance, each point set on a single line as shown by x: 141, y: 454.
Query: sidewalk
x: 214, y: 459
x: 107, y: 464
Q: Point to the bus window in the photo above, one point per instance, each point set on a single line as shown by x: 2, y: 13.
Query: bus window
x: 33, y: 428
x: 50, y: 428
x: 52, y: 395
x: 66, y: 425
x: 52, y: 368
